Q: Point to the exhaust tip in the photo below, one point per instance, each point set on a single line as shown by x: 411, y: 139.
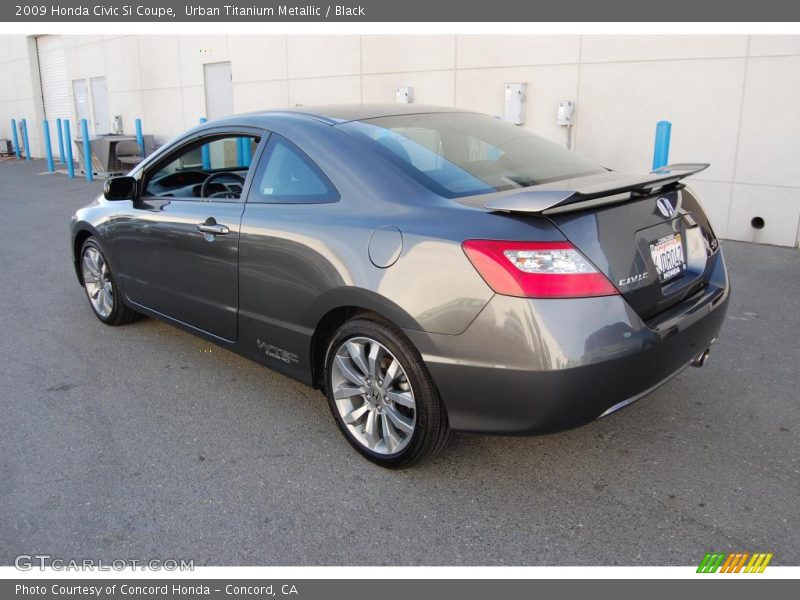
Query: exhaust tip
x: 701, y: 359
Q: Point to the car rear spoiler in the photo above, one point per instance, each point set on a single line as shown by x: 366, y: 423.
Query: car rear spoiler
x: 618, y: 190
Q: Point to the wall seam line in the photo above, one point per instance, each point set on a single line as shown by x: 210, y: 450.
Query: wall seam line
x: 578, y: 96
x: 738, y: 135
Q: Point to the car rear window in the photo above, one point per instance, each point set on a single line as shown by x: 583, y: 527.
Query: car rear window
x: 287, y: 176
x: 464, y: 154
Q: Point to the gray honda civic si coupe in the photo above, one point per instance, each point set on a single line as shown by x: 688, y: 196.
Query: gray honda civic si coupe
x: 429, y: 269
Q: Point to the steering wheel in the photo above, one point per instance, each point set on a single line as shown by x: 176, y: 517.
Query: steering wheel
x: 204, y: 189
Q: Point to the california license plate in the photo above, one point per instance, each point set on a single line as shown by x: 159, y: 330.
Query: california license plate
x: 668, y: 257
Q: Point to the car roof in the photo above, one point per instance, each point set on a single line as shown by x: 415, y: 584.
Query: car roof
x: 342, y: 113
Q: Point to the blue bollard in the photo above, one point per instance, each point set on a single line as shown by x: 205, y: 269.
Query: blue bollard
x: 139, y: 136
x: 48, y: 149
x: 87, y: 151
x: 244, y: 145
x: 204, y: 151
x: 25, y: 139
x: 60, y: 134
x: 240, y: 151
x: 661, y: 151
x: 68, y: 144
x: 15, y: 137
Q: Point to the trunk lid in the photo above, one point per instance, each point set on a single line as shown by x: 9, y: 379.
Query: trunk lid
x: 647, y: 234
x: 654, y: 260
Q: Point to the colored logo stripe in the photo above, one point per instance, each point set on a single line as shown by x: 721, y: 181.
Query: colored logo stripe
x: 733, y: 563
x: 758, y: 563
x: 711, y: 562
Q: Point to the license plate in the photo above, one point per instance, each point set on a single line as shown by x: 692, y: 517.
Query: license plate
x: 668, y: 257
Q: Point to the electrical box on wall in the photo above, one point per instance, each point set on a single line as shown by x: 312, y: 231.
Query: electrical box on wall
x: 404, y: 95
x: 515, y: 103
x: 566, y: 113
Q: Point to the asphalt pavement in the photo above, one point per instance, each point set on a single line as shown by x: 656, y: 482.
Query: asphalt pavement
x: 146, y: 442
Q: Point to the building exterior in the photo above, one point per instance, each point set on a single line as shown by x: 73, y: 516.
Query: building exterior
x: 732, y: 99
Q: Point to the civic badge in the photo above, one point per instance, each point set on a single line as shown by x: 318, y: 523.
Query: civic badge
x: 665, y: 207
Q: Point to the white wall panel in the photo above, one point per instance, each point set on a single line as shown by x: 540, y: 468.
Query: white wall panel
x: 475, y: 51
x: 615, y: 48
x: 257, y: 57
x: 323, y: 55
x: 769, y: 142
x: 159, y: 61
x: 326, y: 90
x: 260, y: 95
x: 399, y: 53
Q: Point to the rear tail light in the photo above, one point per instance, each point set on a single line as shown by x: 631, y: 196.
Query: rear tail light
x: 536, y: 269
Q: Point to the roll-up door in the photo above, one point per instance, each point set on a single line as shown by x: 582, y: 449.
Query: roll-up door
x: 53, y: 73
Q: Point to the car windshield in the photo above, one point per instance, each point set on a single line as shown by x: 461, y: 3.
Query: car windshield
x: 464, y: 154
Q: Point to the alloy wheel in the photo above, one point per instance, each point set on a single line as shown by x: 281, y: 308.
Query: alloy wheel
x: 97, y: 281
x: 373, y: 395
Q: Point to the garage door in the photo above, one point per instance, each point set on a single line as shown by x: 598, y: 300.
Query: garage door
x: 53, y: 73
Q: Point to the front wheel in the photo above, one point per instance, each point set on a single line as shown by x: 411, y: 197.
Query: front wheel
x: 382, y: 396
x: 100, y: 287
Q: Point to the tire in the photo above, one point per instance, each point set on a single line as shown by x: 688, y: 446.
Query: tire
x: 381, y: 394
x: 101, y: 288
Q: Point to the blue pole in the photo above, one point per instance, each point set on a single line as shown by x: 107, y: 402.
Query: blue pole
x: 87, y: 151
x: 246, y: 157
x: 15, y: 137
x: 139, y: 136
x: 47, y: 147
x: 661, y: 151
x: 240, y: 151
x: 68, y: 144
x: 25, y: 139
x: 59, y: 131
x: 204, y: 151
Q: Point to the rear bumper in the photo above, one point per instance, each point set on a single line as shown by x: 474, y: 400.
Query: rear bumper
x: 537, y: 366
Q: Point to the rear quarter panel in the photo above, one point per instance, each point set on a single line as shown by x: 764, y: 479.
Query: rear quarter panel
x: 298, y: 262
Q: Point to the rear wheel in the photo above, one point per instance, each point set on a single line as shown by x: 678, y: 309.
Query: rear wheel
x: 382, y: 396
x: 100, y: 287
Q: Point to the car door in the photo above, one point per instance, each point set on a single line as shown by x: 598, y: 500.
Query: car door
x: 178, y: 247
x: 284, y: 262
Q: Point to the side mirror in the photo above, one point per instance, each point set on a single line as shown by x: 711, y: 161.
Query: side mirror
x: 120, y: 188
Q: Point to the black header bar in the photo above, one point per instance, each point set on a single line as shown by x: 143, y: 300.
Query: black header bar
x: 366, y: 11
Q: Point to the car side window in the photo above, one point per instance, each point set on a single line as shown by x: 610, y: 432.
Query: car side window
x: 286, y: 175
x: 210, y: 168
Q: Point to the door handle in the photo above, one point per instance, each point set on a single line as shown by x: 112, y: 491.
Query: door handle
x: 213, y: 229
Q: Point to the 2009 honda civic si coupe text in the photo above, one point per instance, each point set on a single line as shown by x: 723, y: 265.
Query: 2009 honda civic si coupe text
x: 430, y: 269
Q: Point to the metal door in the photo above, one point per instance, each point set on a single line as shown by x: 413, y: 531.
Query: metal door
x: 81, y: 93
x: 219, y: 90
x: 102, y: 120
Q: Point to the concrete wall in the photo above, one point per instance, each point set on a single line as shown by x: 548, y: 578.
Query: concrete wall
x: 732, y: 99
